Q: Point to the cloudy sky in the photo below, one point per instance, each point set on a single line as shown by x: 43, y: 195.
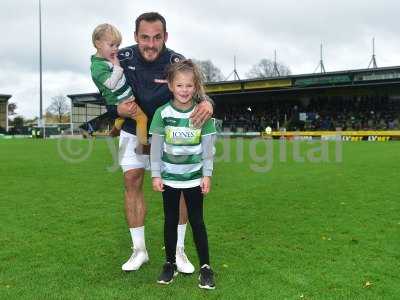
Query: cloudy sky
x: 215, y: 30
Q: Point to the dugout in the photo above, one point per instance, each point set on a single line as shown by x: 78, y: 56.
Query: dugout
x: 4, y: 112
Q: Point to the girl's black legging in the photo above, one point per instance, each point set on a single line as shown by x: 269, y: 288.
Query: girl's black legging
x: 194, y: 203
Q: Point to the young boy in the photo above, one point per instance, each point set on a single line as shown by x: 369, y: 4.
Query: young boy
x: 109, y: 78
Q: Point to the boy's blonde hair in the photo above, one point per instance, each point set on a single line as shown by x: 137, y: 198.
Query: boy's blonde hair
x: 187, y: 65
x: 101, y: 30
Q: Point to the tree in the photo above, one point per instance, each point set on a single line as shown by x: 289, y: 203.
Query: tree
x: 18, y: 123
x: 59, y: 107
x: 265, y: 68
x: 210, y: 71
x: 12, y: 107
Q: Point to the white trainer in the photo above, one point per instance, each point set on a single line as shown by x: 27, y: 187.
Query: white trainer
x: 182, y: 262
x: 137, y: 259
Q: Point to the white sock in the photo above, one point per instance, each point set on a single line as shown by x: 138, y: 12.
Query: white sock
x: 137, y: 235
x: 181, y: 235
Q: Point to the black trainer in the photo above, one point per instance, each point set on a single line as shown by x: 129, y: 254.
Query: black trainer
x: 206, y: 278
x: 169, y: 271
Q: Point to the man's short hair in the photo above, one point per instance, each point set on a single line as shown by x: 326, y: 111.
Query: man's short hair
x: 150, y: 17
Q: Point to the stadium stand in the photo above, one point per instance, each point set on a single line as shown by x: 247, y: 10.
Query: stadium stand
x: 337, y: 113
x: 367, y: 99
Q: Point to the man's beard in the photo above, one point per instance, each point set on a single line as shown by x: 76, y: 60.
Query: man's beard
x: 154, y: 50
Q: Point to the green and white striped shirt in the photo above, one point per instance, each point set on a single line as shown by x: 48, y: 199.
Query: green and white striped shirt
x: 180, y: 153
x: 110, y: 80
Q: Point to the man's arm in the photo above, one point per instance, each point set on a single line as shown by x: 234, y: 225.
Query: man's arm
x: 125, y: 109
x: 112, y: 111
x: 209, y: 99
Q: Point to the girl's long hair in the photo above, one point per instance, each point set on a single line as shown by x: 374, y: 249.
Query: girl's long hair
x: 187, y: 65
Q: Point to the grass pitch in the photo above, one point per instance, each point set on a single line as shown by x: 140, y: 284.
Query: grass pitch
x: 295, y: 223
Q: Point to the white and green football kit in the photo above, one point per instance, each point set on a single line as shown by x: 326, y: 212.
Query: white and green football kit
x: 181, y: 154
x: 110, y: 80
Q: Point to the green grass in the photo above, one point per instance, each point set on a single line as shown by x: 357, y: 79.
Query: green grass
x: 303, y: 230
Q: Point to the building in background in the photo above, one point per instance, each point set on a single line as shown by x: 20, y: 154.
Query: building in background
x: 88, y: 110
x: 4, y: 112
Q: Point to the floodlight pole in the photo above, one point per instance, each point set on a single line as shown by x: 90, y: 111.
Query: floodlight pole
x: 234, y: 72
x: 276, y: 71
x: 41, y: 122
x: 321, y: 62
x: 373, y: 59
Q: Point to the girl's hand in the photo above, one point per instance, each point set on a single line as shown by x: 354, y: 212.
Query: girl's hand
x: 158, y: 186
x: 205, y: 185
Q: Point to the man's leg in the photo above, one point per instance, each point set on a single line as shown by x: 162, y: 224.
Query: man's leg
x: 133, y: 166
x: 183, y: 219
x: 135, y: 210
x: 182, y: 262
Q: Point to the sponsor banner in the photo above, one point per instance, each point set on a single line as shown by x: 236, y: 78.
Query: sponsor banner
x: 265, y: 84
x: 322, y: 80
x: 377, y: 76
x: 241, y: 134
x: 303, y: 138
x: 331, y: 137
x: 346, y: 138
x: 223, y: 87
x: 353, y: 136
x: 370, y: 138
x: 377, y: 138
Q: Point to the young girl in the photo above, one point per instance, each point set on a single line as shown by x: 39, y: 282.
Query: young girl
x: 109, y: 78
x: 182, y: 162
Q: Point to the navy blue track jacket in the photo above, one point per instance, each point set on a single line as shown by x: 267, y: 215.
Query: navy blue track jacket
x: 142, y: 76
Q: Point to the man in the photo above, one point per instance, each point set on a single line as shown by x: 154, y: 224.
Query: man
x: 144, y: 66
